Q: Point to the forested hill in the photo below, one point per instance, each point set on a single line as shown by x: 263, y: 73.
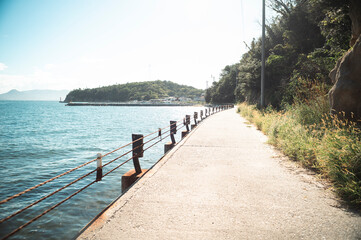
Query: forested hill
x: 133, y: 91
x: 302, y: 45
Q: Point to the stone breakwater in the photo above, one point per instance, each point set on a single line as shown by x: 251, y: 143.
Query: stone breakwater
x: 128, y: 104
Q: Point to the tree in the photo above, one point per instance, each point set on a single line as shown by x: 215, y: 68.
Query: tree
x: 224, y: 90
x: 133, y: 91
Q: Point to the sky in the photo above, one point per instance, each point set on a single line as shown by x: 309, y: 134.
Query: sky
x: 72, y: 44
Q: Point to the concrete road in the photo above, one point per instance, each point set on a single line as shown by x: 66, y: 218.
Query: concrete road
x: 224, y: 182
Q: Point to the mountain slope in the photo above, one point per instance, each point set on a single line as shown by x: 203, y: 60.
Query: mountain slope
x: 40, y: 95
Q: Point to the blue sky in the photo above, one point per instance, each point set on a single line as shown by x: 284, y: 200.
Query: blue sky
x: 68, y: 44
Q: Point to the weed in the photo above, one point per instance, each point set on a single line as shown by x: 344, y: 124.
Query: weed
x: 328, y: 144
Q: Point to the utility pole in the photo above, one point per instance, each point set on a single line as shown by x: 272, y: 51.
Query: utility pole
x: 263, y: 53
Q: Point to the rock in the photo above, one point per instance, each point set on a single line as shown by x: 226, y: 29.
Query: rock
x: 345, y: 95
x: 355, y: 15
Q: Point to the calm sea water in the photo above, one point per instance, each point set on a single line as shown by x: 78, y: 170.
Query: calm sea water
x: 39, y: 140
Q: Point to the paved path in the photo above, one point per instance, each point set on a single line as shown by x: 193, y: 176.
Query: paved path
x: 224, y: 182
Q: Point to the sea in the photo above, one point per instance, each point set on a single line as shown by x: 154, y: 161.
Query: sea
x: 40, y: 140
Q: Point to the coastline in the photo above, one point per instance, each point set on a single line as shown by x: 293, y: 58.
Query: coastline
x: 128, y: 104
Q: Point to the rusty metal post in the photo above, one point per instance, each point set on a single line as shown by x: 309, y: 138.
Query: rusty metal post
x: 188, y: 121
x: 173, y: 127
x: 99, y: 168
x: 195, y: 118
x: 137, y: 151
x: 173, y: 130
x: 201, y: 115
x: 160, y: 133
x: 133, y: 175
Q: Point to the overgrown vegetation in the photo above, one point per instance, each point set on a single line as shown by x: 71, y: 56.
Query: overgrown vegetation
x: 302, y: 45
x: 133, y: 91
x: 327, y: 144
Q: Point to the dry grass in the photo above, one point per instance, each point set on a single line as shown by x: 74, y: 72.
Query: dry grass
x: 327, y: 144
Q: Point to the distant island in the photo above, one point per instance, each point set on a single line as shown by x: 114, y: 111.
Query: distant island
x: 34, y: 95
x: 150, y: 92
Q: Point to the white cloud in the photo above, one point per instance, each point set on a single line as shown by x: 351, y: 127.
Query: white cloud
x: 19, y: 82
x: 49, y: 66
x: 3, y: 67
x: 40, y: 78
x: 92, y: 71
x: 80, y: 73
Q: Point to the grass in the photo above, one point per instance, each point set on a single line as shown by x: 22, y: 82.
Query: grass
x: 305, y: 132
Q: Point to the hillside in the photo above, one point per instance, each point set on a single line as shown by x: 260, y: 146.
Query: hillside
x: 302, y: 46
x: 141, y: 91
x: 313, y: 62
x: 34, y: 95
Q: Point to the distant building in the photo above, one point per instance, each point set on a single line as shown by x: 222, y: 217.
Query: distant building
x: 156, y: 100
x: 199, y: 99
x: 185, y: 99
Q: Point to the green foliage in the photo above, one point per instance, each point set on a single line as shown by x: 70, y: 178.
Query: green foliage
x: 133, y: 91
x: 329, y: 145
x: 223, y: 91
x: 340, y: 155
x: 302, y: 45
x: 310, y: 101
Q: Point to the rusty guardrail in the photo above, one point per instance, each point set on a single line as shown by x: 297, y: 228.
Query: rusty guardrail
x: 129, y: 178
